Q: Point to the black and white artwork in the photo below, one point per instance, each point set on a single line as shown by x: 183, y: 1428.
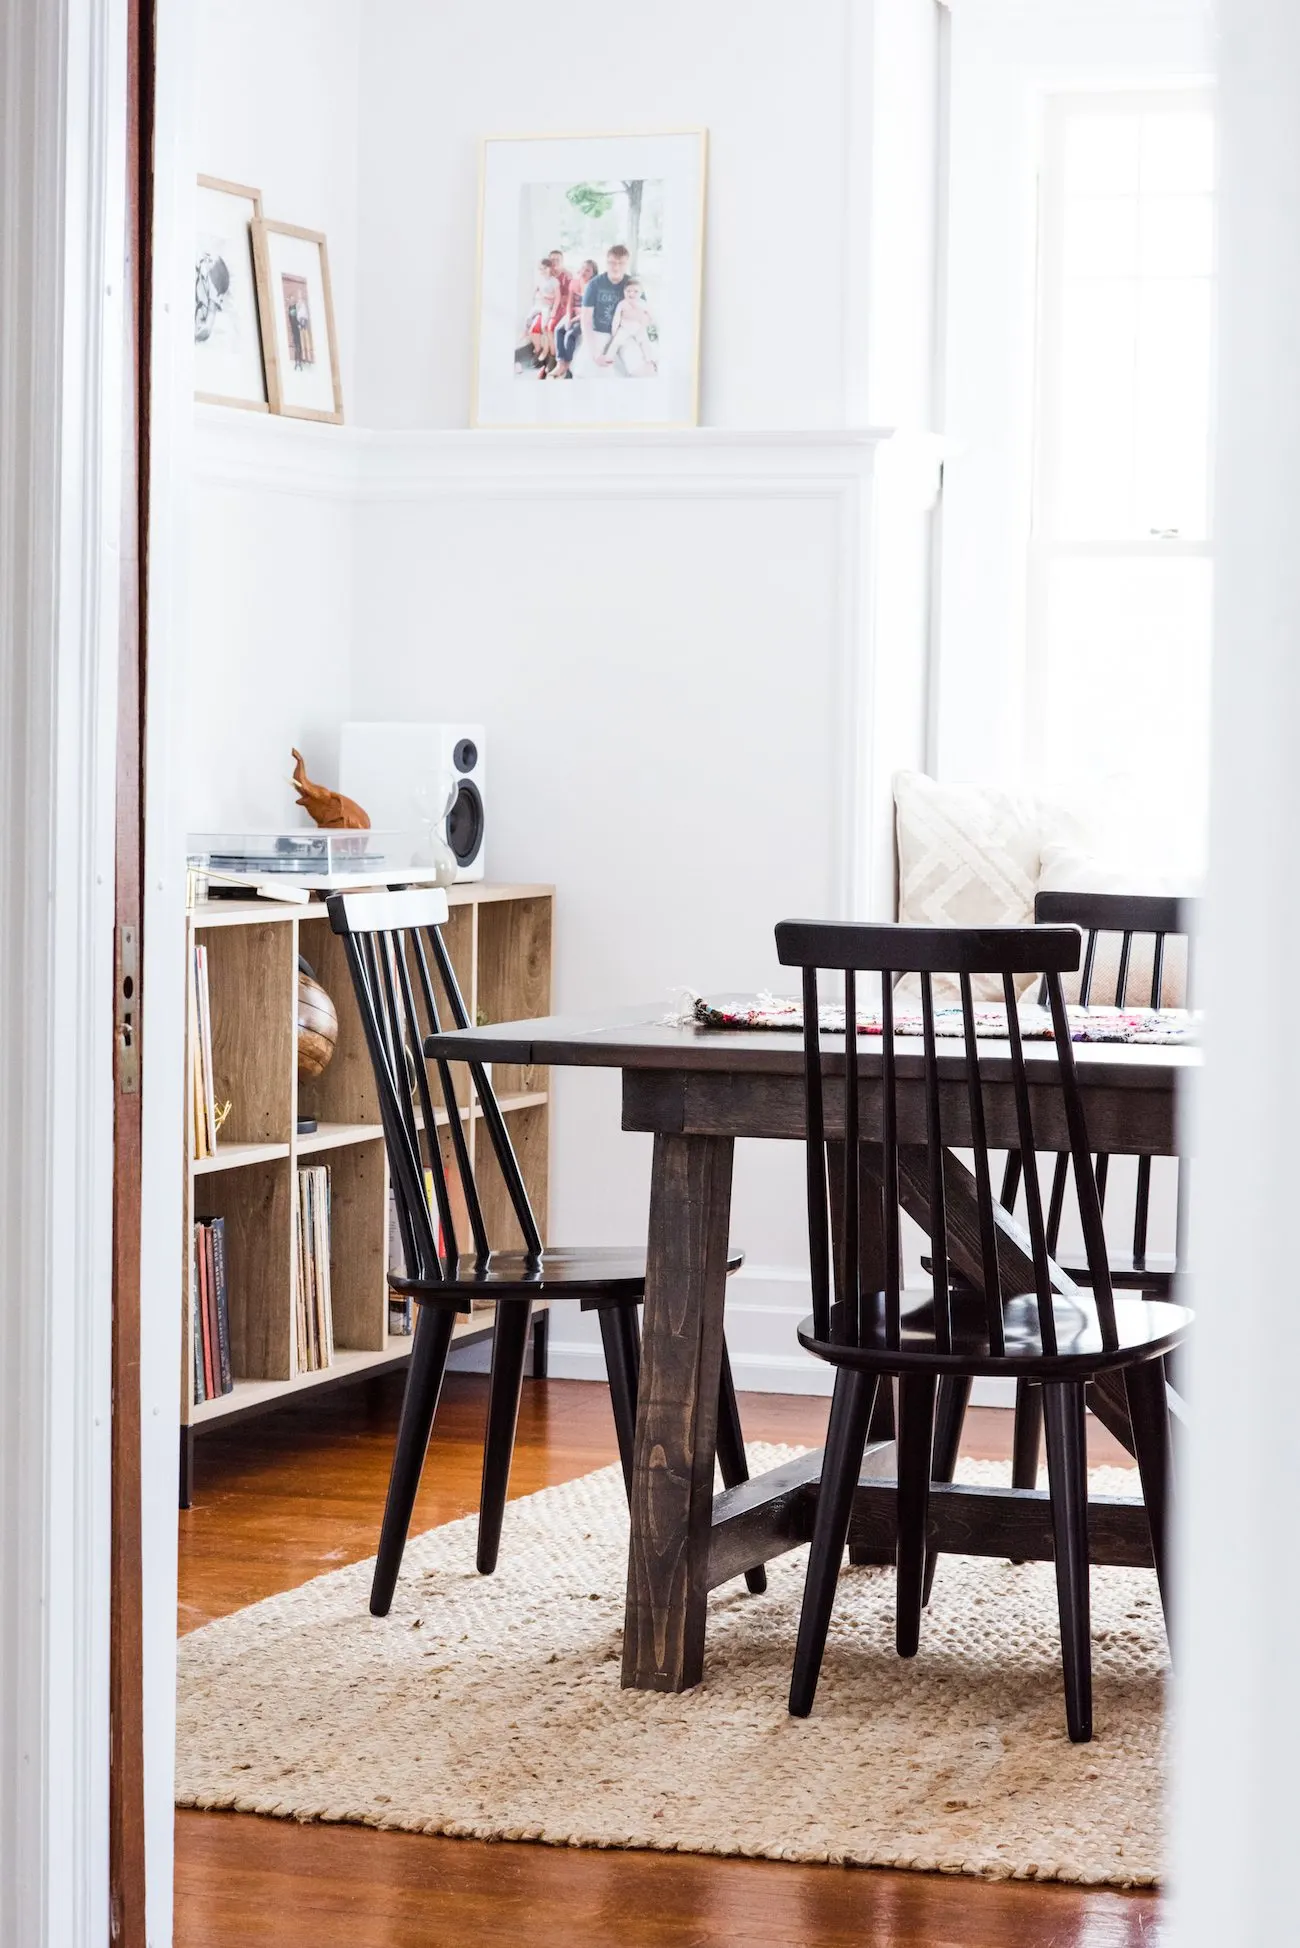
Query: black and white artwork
x: 228, y: 367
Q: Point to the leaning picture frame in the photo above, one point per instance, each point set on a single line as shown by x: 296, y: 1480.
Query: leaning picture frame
x: 299, y: 340
x: 591, y: 253
x: 228, y: 363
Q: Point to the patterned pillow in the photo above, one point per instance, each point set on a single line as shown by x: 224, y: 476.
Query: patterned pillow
x: 968, y: 856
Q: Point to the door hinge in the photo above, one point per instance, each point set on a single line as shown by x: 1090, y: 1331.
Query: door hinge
x: 128, y: 1007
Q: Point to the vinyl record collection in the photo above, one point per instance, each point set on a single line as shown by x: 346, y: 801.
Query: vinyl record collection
x: 314, y: 1311
x: 203, y: 1095
x: 210, y: 1310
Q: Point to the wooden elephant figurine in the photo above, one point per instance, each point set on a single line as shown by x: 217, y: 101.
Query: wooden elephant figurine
x: 330, y: 809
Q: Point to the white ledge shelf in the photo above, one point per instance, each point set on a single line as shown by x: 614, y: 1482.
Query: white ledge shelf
x: 272, y: 454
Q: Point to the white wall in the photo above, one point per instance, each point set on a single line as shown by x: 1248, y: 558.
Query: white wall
x: 894, y: 323
x: 689, y: 732
x: 674, y: 699
x: 679, y: 769
x: 665, y: 753
x: 818, y: 290
x: 1238, y: 1722
x: 776, y: 101
x: 276, y: 106
x: 271, y: 635
x: 1004, y: 56
x: 820, y: 230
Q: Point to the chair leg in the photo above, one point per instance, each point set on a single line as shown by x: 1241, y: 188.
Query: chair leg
x: 1027, y: 1438
x: 950, y: 1418
x: 1148, y: 1411
x: 846, y: 1437
x: 1028, y: 1435
x: 541, y: 1344
x: 732, y: 1464
x: 429, y: 1348
x: 509, y: 1351
x: 620, y: 1335
x: 881, y: 1427
x: 1067, y: 1478
x: 916, y: 1401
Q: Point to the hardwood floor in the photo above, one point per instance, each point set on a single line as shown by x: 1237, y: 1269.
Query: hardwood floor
x: 279, y: 1500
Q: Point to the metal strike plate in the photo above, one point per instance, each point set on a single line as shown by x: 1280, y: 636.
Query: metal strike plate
x: 128, y: 1001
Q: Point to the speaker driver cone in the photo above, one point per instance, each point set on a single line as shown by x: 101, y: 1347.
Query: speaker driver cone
x: 465, y: 824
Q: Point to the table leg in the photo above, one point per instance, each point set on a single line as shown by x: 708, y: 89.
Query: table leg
x: 677, y: 1413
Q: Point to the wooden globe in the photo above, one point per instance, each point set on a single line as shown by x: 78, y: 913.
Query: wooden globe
x: 318, y: 1026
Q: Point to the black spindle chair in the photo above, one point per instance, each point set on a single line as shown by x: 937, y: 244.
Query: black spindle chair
x: 1125, y: 918
x: 1059, y: 1334
x: 394, y: 951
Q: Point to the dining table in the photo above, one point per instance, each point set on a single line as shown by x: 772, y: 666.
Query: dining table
x: 695, y: 1089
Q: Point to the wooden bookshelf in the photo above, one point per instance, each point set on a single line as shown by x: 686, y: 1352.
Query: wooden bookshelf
x: 500, y: 942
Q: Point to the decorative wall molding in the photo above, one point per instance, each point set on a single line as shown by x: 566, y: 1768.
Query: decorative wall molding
x: 269, y: 454
x: 62, y: 98
x: 263, y: 453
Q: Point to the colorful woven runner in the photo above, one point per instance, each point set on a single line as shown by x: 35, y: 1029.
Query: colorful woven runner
x: 1167, y: 1026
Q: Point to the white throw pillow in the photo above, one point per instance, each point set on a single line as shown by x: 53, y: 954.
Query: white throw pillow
x: 972, y: 856
x: 968, y: 856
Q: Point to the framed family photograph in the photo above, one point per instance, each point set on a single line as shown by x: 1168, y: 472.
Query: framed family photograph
x: 228, y: 368
x: 297, y: 307
x: 591, y: 251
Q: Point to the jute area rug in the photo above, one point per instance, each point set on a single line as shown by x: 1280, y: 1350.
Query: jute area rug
x: 490, y: 1707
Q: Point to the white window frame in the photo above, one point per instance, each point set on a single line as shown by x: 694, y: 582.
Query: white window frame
x: 1046, y: 545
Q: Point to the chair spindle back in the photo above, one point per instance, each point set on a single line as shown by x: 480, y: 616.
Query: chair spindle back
x: 912, y: 1158
x: 393, y: 946
x: 1128, y: 916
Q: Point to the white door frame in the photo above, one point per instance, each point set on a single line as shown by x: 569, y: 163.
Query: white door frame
x: 62, y: 102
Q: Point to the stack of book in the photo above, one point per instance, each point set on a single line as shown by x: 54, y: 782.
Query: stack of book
x: 210, y: 1310
x: 400, y: 1310
x: 203, y: 1096
x: 314, y: 1310
x: 400, y: 1319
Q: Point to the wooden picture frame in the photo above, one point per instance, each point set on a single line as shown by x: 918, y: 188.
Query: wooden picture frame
x: 240, y: 293
x: 289, y: 260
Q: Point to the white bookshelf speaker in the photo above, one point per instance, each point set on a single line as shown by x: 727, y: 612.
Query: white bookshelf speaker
x: 403, y: 775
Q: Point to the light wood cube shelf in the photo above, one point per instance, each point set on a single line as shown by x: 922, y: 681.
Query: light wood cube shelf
x: 500, y: 942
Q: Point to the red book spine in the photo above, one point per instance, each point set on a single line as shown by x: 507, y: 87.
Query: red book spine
x: 205, y: 1309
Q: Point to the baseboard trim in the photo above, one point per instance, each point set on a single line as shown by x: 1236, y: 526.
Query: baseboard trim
x: 754, y: 1372
x: 766, y: 1305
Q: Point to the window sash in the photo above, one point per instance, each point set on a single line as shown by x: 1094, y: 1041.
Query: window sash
x: 1060, y: 111
x: 1050, y: 547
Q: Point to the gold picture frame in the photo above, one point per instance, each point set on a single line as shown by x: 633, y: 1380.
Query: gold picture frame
x: 291, y: 315
x: 241, y: 280
x: 606, y: 147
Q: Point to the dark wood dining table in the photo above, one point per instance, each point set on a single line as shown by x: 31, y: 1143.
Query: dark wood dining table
x: 696, y: 1090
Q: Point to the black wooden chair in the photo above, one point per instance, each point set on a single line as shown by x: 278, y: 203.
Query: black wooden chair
x: 394, y: 950
x: 943, y: 1337
x: 1123, y: 917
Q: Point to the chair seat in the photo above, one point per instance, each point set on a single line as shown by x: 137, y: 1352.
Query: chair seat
x: 1154, y: 1273
x: 1147, y: 1328
x: 562, y: 1272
